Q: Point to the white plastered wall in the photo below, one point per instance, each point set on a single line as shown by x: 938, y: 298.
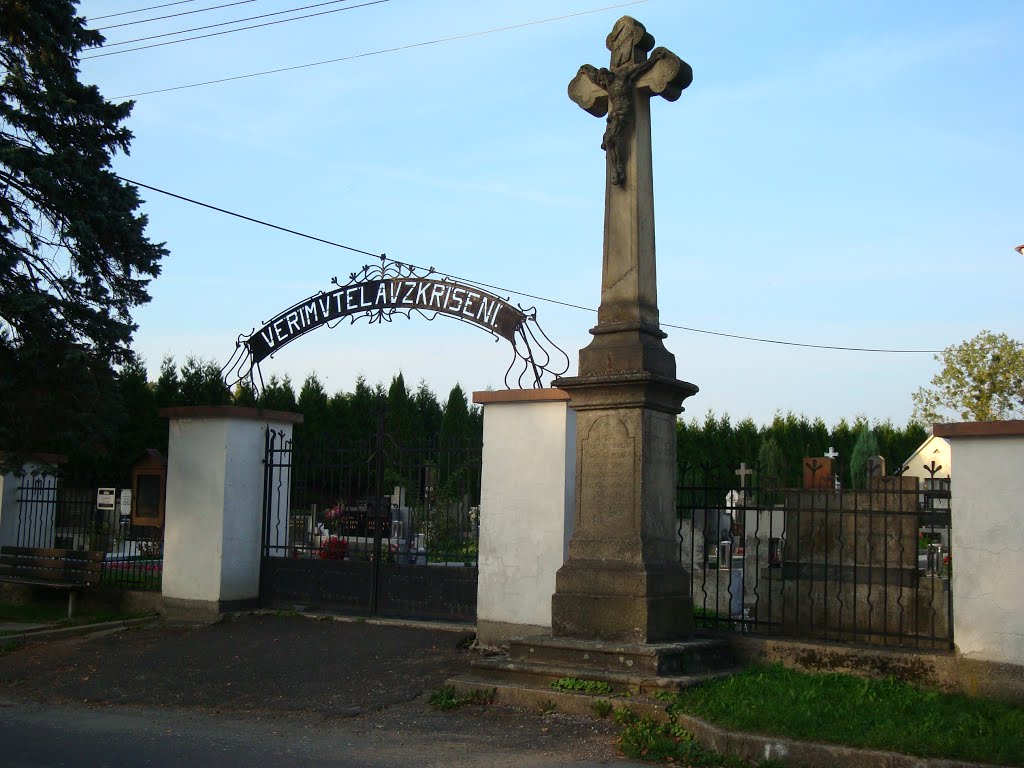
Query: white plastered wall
x: 988, y: 548
x: 214, y: 508
x: 526, y: 512
x: 33, y: 507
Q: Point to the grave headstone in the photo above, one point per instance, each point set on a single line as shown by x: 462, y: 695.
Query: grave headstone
x: 875, y: 467
x: 818, y: 473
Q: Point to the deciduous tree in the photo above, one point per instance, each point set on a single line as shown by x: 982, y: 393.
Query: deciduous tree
x: 982, y: 379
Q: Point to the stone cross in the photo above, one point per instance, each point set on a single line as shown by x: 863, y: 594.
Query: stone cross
x: 622, y: 91
x: 622, y: 580
x: 832, y: 453
x: 744, y: 472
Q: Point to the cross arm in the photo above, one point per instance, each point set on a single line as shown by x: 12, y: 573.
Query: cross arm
x: 588, y: 90
x: 665, y: 74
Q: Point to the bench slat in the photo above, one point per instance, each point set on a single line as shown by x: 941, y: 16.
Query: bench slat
x: 73, y: 578
x: 51, y: 563
x: 60, y: 554
x: 52, y: 567
x: 56, y: 570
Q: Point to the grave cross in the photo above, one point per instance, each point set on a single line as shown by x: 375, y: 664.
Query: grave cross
x: 744, y: 472
x: 834, y: 454
x: 622, y: 91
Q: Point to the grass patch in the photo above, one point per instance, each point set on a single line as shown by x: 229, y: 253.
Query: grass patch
x: 602, y: 708
x: 643, y: 739
x: 873, y: 714
x: 446, y: 698
x: 597, y: 687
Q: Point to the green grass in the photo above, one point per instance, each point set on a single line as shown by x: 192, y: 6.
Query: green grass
x: 582, y: 686
x: 133, y: 577
x: 602, y: 708
x: 643, y: 739
x: 447, y: 697
x: 872, y: 714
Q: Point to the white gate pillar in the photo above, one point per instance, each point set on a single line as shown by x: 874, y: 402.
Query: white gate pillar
x: 527, y: 487
x: 986, y: 545
x: 214, y: 508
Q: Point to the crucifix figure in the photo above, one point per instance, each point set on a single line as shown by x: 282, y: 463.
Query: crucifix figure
x: 614, y: 90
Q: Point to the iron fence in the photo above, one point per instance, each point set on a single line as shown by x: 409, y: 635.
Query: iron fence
x: 54, y: 512
x: 871, y: 564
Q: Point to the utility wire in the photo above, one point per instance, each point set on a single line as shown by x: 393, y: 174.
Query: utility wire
x: 249, y: 218
x: 437, y: 41
x: 240, y: 29
x: 502, y: 289
x: 140, y: 10
x: 170, y: 15
x: 222, y: 23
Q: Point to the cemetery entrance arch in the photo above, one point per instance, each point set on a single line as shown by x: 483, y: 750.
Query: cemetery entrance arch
x: 374, y: 527
x: 382, y: 293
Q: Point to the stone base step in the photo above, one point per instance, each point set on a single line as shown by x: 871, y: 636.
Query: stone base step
x: 696, y: 656
x: 538, y: 675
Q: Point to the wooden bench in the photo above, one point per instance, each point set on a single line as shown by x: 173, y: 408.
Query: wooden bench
x: 70, y: 569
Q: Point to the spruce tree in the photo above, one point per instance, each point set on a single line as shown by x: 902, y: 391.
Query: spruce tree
x: 865, y: 447
x: 74, y: 258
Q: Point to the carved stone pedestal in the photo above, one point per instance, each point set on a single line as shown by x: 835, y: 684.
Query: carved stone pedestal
x: 623, y: 581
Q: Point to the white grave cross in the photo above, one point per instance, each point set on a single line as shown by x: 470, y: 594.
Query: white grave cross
x: 834, y: 454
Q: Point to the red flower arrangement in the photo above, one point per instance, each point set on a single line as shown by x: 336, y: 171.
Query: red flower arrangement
x: 333, y: 549
x: 333, y: 514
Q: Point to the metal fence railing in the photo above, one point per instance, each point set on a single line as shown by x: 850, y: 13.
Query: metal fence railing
x: 54, y: 515
x: 868, y: 565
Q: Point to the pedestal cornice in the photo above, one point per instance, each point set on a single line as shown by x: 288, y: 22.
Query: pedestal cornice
x: 627, y: 390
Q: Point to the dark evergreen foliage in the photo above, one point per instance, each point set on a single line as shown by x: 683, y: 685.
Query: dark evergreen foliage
x: 74, y: 259
x: 718, y: 444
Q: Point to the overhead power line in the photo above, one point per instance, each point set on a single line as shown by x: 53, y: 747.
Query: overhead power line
x: 240, y: 29
x: 223, y: 24
x: 249, y: 218
x: 437, y: 41
x: 169, y: 15
x: 504, y: 289
x: 140, y: 10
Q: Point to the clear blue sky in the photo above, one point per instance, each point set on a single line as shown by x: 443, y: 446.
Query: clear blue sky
x: 841, y: 174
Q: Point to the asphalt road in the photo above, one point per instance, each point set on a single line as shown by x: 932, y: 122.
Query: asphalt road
x: 269, y: 691
x: 41, y: 735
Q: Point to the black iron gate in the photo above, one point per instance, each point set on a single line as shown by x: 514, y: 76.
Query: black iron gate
x: 372, y: 527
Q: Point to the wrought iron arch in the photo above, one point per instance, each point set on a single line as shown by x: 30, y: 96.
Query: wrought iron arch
x: 379, y: 294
